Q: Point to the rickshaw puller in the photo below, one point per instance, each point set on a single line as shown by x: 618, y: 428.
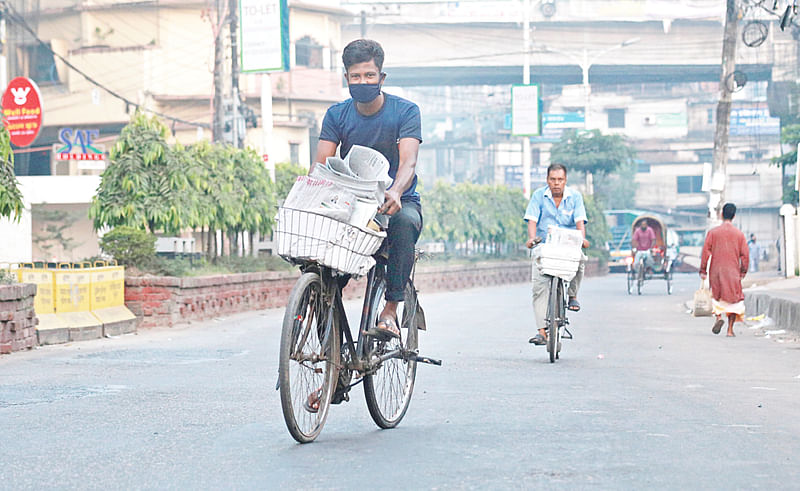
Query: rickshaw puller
x: 644, y: 238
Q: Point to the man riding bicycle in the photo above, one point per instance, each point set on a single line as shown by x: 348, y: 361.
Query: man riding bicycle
x: 644, y: 239
x: 390, y: 125
x: 562, y: 206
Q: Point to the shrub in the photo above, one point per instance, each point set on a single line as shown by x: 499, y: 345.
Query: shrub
x: 130, y: 246
x: 7, y: 277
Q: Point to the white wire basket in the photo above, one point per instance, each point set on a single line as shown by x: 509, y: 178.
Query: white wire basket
x: 308, y: 236
x: 561, y: 255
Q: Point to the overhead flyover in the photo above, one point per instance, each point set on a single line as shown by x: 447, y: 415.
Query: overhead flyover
x: 406, y: 76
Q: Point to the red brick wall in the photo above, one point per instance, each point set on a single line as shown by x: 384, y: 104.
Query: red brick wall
x: 166, y: 301
x: 17, y: 318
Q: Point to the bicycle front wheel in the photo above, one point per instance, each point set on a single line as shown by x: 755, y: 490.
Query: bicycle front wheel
x: 309, y: 359
x: 388, y: 388
x: 640, y: 279
x: 554, y: 306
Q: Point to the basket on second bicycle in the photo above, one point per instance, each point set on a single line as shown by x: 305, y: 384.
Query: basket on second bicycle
x: 320, y: 359
x: 557, y: 260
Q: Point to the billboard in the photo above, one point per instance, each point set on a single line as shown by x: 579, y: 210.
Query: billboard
x: 263, y: 35
x: 753, y: 121
x: 525, y: 110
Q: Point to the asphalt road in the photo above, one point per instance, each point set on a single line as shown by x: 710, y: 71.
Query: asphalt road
x: 644, y: 396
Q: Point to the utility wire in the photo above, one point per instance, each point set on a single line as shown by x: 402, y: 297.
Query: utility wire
x: 18, y: 19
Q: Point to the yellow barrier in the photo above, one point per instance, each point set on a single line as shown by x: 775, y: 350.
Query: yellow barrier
x: 76, y: 301
x: 73, y: 288
x: 44, y: 301
x: 107, y: 287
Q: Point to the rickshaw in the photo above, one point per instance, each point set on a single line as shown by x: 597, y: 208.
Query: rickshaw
x: 662, y: 255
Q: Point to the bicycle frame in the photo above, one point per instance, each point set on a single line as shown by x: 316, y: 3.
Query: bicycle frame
x: 332, y: 292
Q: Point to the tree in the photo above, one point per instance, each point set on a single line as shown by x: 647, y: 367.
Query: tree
x: 617, y: 190
x: 597, y: 232
x: 490, y: 217
x: 147, y: 183
x: 219, y: 196
x: 591, y: 152
x: 257, y: 193
x: 10, y: 196
x: 789, y: 134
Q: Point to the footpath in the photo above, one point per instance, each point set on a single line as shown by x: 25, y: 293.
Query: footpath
x: 775, y: 297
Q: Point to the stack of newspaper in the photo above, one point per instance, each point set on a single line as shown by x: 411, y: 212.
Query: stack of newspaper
x: 348, y: 190
x: 561, y: 254
x: 327, y: 214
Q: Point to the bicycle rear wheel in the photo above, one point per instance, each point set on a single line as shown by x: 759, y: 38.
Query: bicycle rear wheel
x: 309, y: 358
x: 630, y: 277
x: 554, y: 306
x: 389, y: 387
x: 668, y: 277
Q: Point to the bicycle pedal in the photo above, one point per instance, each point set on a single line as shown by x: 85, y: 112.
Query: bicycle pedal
x: 430, y: 361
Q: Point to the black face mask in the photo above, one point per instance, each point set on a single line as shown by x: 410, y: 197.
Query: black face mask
x: 364, y: 93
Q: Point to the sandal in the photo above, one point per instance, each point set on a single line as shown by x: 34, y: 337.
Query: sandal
x: 311, y: 404
x: 538, y: 340
x: 573, y: 305
x: 717, y: 326
x: 385, y: 328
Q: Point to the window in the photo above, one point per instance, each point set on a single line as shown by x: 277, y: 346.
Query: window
x: 643, y: 168
x: 40, y: 64
x: 294, y: 153
x: 706, y: 155
x: 709, y: 116
x: 616, y: 118
x: 308, y: 53
x: 690, y: 184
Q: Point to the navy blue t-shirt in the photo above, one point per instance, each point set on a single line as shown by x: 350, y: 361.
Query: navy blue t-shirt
x: 398, y: 118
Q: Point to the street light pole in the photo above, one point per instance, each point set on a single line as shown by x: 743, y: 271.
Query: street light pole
x: 526, y: 80
x: 585, y: 63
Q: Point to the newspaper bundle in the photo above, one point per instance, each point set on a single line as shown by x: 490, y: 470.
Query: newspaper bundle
x: 348, y: 190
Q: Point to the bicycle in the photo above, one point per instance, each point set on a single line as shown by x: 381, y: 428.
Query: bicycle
x: 556, y: 320
x: 319, y: 357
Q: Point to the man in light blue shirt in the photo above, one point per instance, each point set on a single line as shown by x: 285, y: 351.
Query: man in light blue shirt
x: 554, y: 204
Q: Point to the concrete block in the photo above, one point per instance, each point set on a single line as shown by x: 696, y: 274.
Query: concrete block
x: 782, y: 308
x: 120, y: 327
x: 85, y: 333
x: 58, y: 335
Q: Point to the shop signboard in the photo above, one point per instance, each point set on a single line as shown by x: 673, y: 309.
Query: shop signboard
x: 749, y: 121
x: 79, y: 145
x: 22, y: 111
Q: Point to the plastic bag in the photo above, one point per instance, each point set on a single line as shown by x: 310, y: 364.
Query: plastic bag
x: 702, y: 301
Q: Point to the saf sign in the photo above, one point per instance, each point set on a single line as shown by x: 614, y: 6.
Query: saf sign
x: 22, y: 111
x: 72, y: 138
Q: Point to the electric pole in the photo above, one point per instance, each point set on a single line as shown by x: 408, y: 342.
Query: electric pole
x: 726, y: 86
x: 363, y: 24
x: 218, y: 124
x: 237, y: 127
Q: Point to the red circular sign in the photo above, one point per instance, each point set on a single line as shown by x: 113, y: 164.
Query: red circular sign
x: 22, y: 111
